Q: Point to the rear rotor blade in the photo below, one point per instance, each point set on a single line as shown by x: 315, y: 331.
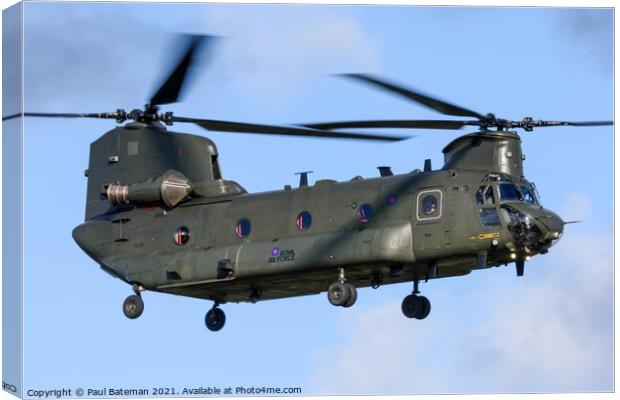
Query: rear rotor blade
x: 435, y: 104
x: 170, y: 89
x: 413, y: 124
x: 228, y: 126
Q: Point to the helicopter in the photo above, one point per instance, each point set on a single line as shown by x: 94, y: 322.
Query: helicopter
x: 161, y: 217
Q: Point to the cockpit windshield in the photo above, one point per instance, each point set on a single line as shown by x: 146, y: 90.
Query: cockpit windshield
x: 505, y: 189
x: 509, y: 192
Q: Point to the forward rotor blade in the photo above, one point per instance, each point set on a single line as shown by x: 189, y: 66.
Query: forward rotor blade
x: 228, y: 126
x: 576, y: 123
x: 435, y: 104
x: 413, y: 124
x: 61, y: 115
x: 170, y: 89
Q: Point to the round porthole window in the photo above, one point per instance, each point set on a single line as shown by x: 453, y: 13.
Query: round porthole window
x: 181, y: 236
x: 365, y: 213
x: 428, y: 205
x: 304, y: 220
x: 243, y: 228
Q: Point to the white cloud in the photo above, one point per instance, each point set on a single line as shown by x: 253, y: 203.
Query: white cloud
x: 576, y: 206
x: 550, y: 331
x: 266, y: 57
x: 274, y: 58
x: 100, y: 68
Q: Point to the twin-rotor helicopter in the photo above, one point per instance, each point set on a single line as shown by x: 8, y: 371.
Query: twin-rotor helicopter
x: 160, y: 215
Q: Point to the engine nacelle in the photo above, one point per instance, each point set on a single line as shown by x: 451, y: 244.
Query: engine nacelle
x: 171, y: 188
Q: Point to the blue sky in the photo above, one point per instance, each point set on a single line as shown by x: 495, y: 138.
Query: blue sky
x: 489, y: 332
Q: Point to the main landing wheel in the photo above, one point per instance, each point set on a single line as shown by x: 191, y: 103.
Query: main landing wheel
x: 338, y: 294
x: 342, y: 294
x: 425, y: 308
x: 414, y: 306
x: 352, y: 293
x: 133, y: 306
x: 215, y: 319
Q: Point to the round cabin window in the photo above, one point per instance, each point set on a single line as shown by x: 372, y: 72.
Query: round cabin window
x: 181, y: 236
x: 304, y: 220
x: 243, y: 228
x: 365, y: 213
x: 428, y: 205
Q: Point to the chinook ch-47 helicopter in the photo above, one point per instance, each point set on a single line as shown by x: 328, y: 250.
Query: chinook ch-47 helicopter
x: 160, y: 216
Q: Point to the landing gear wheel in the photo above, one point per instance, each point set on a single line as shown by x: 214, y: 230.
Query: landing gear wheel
x: 414, y: 306
x: 424, y: 308
x: 410, y: 306
x: 133, y: 306
x: 215, y: 319
x: 338, y: 294
x: 352, y: 293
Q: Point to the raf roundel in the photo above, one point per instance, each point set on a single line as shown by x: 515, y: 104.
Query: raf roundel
x: 275, y: 251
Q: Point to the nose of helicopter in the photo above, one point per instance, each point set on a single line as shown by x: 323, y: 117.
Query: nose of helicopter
x: 533, y: 227
x: 549, y: 224
x: 553, y: 224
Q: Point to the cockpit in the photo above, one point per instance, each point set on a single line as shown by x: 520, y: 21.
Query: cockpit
x: 500, y: 189
x: 516, y: 206
x: 506, y: 190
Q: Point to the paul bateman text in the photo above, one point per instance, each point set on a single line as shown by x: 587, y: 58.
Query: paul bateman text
x: 164, y: 392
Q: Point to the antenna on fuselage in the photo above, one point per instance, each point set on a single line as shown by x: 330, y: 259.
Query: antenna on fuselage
x: 428, y: 167
x: 385, y: 171
x: 303, y: 177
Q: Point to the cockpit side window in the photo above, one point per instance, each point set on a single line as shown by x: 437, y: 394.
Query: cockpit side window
x: 528, y: 195
x: 489, y: 216
x: 534, y: 190
x: 485, y: 196
x: 480, y: 195
x: 489, y: 198
x: 486, y: 199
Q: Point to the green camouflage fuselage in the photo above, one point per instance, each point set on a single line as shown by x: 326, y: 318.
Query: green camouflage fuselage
x: 395, y: 243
